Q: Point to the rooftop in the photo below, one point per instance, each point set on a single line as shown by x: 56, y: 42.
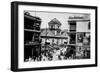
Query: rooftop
x: 55, y: 21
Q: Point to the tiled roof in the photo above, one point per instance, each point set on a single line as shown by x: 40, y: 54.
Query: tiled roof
x: 46, y: 32
x: 49, y: 33
x: 55, y: 21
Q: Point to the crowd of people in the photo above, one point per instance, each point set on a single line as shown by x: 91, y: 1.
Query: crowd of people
x: 52, y: 53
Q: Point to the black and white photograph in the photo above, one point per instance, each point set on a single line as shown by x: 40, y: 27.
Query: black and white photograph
x: 53, y: 36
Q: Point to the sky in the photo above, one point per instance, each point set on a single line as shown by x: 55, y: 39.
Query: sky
x: 61, y: 16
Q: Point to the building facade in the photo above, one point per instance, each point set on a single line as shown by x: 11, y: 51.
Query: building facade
x: 32, y: 39
x: 54, y: 35
x: 79, y: 35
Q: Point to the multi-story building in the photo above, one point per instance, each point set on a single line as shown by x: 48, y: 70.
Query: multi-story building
x: 79, y: 35
x: 54, y: 34
x: 32, y: 39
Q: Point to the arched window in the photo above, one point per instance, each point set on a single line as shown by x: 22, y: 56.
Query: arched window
x: 51, y: 26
